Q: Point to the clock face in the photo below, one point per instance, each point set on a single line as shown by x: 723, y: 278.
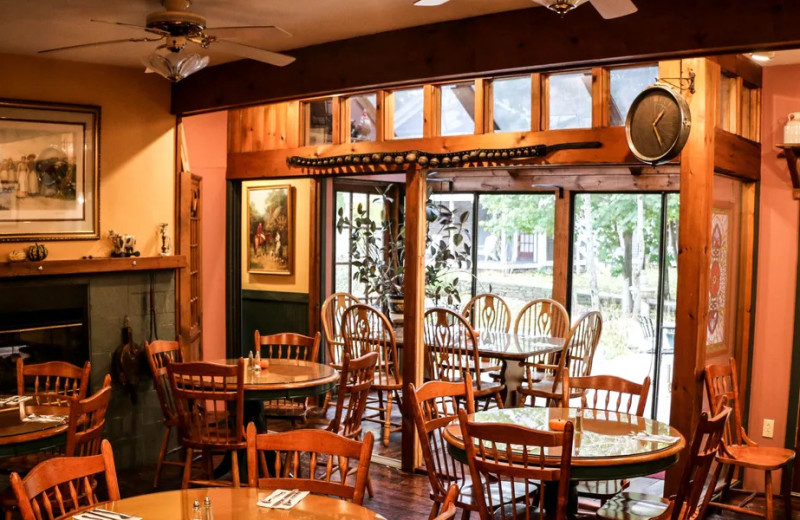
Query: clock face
x: 658, y: 124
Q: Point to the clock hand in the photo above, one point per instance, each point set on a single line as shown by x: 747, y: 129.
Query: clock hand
x: 658, y: 118
x: 658, y: 136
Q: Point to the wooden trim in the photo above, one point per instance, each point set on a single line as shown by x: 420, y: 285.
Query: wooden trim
x: 315, y: 263
x: 744, y: 304
x: 380, y: 116
x: 538, y: 101
x: 432, y: 110
x: 601, y: 97
x: 233, y: 269
x: 274, y: 296
x: 388, y: 115
x: 414, y: 308
x: 339, y: 110
x: 483, y: 108
x: 614, y: 150
x: 293, y: 117
x: 741, y: 66
x: 738, y: 106
x: 91, y: 266
x: 694, y: 237
x: 561, y: 247
x: 736, y: 156
x: 544, y: 103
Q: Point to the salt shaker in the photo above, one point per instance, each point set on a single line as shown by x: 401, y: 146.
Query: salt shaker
x: 196, y: 513
x: 257, y: 365
x: 207, y: 514
x: 250, y: 363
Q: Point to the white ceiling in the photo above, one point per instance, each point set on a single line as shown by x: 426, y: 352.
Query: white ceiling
x: 27, y: 26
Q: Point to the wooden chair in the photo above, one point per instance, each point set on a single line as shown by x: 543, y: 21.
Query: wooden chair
x: 542, y: 317
x: 52, y: 382
x: 693, y: 495
x: 331, y: 314
x: 610, y: 393
x: 451, y: 353
x: 491, y: 313
x: 58, y: 488
x: 739, y: 451
x: 288, y: 346
x: 449, y: 504
x: 492, y: 462
x: 366, y: 330
x: 160, y: 353
x: 294, y: 463
x: 216, y: 426
x: 580, y: 346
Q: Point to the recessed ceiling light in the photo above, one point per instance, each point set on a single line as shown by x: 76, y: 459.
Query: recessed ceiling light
x: 761, y: 56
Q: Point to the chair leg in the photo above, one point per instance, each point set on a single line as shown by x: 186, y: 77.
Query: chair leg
x: 499, y: 399
x: 786, y: 489
x: 161, y: 455
x: 235, y: 467
x: 370, y: 492
x: 434, y: 510
x: 187, y: 469
x: 381, y: 408
x: 768, y: 494
x: 387, y: 422
x: 465, y: 514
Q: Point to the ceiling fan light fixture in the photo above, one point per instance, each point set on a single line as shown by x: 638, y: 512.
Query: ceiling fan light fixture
x: 561, y: 7
x: 430, y: 3
x: 174, y: 66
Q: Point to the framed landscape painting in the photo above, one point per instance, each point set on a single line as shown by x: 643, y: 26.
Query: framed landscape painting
x: 49, y: 171
x: 270, y: 230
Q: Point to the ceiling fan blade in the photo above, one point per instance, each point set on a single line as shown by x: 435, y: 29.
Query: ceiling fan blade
x: 131, y: 25
x: 430, y: 3
x: 614, y: 8
x: 98, y: 44
x: 254, y: 53
x: 226, y: 32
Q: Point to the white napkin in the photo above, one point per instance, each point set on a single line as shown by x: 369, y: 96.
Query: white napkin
x: 652, y: 437
x: 15, y: 400
x: 45, y: 418
x: 283, y: 499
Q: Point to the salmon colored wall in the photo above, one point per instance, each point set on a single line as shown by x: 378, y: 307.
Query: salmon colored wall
x: 137, y: 144
x: 777, y: 262
x: 206, y: 139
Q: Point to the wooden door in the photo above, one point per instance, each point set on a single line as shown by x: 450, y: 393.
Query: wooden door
x: 191, y: 280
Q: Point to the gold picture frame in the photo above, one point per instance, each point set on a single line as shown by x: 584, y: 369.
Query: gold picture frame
x: 270, y: 229
x: 49, y: 171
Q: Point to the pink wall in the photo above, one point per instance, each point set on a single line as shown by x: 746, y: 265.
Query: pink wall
x: 207, y: 140
x: 777, y: 262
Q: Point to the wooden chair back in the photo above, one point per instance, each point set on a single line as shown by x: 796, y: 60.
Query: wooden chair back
x: 86, y: 421
x: 543, y: 317
x: 434, y: 405
x: 288, y: 345
x: 609, y: 393
x: 309, y: 460
x: 161, y: 353
x: 722, y: 386
x: 687, y: 503
x: 449, y: 504
x: 366, y: 329
x: 354, y: 384
x: 58, y: 487
x: 488, y: 312
x: 507, y: 454
x: 53, y: 382
x: 332, y: 309
x: 451, y: 347
x: 582, y: 343
x: 209, y: 400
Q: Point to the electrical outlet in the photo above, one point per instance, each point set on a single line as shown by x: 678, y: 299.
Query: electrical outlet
x: 768, y: 430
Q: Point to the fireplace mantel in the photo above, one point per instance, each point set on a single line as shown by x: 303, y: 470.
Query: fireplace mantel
x: 89, y: 266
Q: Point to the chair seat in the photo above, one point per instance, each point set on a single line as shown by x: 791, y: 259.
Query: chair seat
x: 466, y: 495
x: 635, y: 506
x: 766, y: 458
x: 601, y: 489
x: 384, y: 383
x: 541, y: 388
x: 285, y: 408
x: 488, y: 388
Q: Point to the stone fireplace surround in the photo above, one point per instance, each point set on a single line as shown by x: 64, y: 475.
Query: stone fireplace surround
x: 135, y: 430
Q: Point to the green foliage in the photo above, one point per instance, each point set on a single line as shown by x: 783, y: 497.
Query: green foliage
x: 524, y: 213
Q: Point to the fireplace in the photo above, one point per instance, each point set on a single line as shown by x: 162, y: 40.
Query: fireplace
x: 42, y: 322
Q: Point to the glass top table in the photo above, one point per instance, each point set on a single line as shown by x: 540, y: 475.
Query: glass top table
x: 509, y: 346
x: 287, y: 379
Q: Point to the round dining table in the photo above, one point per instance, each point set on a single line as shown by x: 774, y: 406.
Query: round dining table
x: 239, y: 503
x: 287, y: 379
x: 21, y: 437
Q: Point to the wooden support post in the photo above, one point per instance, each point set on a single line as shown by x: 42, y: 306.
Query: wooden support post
x: 694, y: 239
x: 414, y: 306
x: 314, y: 266
x: 561, y: 247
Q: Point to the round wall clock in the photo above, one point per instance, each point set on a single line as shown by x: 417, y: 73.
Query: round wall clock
x: 658, y: 124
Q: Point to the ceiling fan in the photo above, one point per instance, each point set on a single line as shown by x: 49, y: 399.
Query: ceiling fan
x: 607, y: 8
x: 177, y: 27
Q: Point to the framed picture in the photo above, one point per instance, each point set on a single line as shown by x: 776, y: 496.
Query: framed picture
x: 49, y: 171
x: 270, y: 230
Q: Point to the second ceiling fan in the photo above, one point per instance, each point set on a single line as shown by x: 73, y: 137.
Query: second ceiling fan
x: 607, y: 8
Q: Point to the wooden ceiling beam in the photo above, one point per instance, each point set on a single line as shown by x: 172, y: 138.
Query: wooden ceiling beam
x: 514, y: 41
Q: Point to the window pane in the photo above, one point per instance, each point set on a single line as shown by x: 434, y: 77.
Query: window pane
x: 515, y: 247
x: 626, y: 84
x: 458, y: 109
x: 459, y: 205
x: 319, y: 122
x: 362, y: 118
x: 512, y: 104
x: 570, y: 100
x: 408, y: 116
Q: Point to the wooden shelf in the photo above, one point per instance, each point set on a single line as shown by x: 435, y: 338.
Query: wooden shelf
x: 90, y: 266
x: 792, y: 153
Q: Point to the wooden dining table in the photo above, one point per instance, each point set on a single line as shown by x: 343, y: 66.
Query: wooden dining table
x: 18, y: 437
x: 237, y: 503
x: 607, y: 446
x: 287, y: 379
x: 512, y: 349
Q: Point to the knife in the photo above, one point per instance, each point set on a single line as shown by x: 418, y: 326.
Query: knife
x: 288, y: 498
x: 110, y: 514
x: 276, y: 495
